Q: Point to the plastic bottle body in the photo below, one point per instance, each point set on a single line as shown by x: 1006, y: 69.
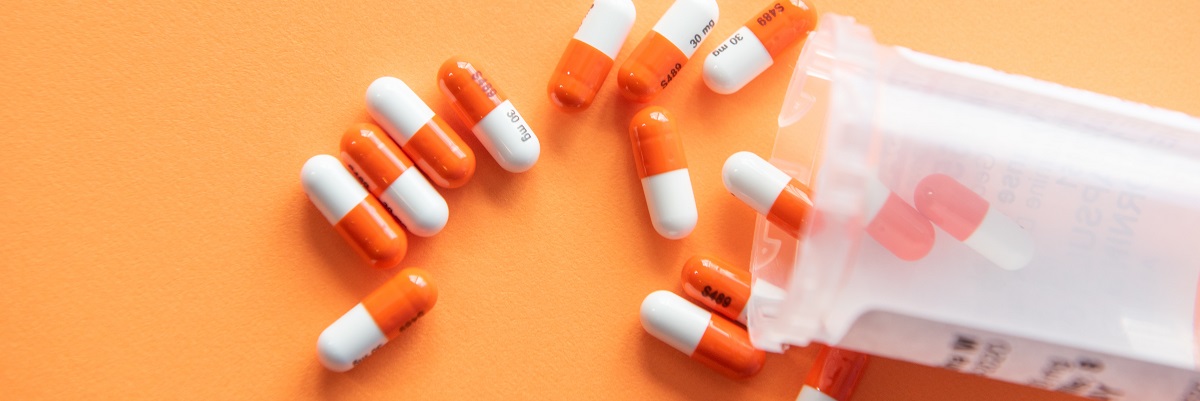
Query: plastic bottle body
x: 1103, y: 291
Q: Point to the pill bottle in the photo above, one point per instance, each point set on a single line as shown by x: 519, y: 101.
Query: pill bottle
x: 1108, y: 191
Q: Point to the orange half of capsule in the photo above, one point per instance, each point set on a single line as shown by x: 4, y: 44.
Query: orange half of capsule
x: 657, y: 145
x: 717, y: 285
x: 652, y: 65
x: 401, y: 300
x: 836, y: 372
x: 379, y: 238
x: 791, y: 208
x: 726, y: 348
x: 439, y: 152
x: 579, y: 75
x: 779, y: 25
x: 373, y: 156
x: 472, y: 95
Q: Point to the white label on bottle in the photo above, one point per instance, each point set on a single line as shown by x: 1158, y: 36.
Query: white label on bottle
x: 1018, y: 360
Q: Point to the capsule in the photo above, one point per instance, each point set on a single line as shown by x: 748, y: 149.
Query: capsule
x: 834, y: 375
x: 433, y: 146
x: 658, y: 153
x: 660, y: 56
x: 354, y: 213
x: 714, y: 341
x: 588, y: 58
x: 379, y: 318
x: 491, y: 116
x: 754, y: 47
x: 969, y: 218
x: 768, y: 190
x: 391, y: 177
x: 894, y: 224
x: 787, y: 204
x: 721, y: 287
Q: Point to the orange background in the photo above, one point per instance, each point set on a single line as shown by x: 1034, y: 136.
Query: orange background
x: 156, y: 242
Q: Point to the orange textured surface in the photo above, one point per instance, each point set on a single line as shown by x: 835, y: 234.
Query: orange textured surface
x: 156, y: 243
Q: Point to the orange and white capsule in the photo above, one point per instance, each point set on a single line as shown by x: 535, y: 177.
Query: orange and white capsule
x: 662, y: 167
x: 721, y: 287
x: 969, y: 218
x: 433, y: 146
x: 353, y: 212
x: 491, y: 116
x: 660, y: 56
x: 768, y: 190
x: 786, y: 203
x: 834, y: 375
x: 391, y: 177
x: 713, y: 340
x: 589, y: 57
x: 379, y: 318
x: 754, y: 47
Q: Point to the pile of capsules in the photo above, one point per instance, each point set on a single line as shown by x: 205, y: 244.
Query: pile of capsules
x: 374, y: 189
x: 373, y: 193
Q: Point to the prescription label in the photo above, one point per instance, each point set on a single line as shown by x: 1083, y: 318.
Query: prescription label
x: 1019, y: 360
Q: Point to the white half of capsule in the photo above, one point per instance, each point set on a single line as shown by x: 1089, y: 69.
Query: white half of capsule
x: 1002, y: 241
x: 753, y: 180
x: 759, y: 291
x: 876, y: 195
x: 811, y: 394
x: 671, y: 202
x: 349, y: 339
x: 687, y: 23
x: 736, y: 62
x: 508, y: 138
x: 397, y: 108
x: 331, y: 187
x: 414, y: 201
x: 674, y: 320
x: 606, y: 26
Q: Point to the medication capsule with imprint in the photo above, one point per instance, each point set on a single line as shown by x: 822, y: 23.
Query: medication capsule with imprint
x: 722, y: 287
x: 390, y: 176
x: 585, y: 64
x: 754, y: 47
x: 353, y: 212
x: 379, y: 318
x: 969, y: 218
x: 491, y: 116
x: 660, y: 56
x: 662, y: 167
x: 711, y: 339
x: 433, y: 146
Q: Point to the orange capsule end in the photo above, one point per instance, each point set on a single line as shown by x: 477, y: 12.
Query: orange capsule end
x: 726, y: 348
x: 441, y: 154
x: 836, y: 371
x: 469, y: 91
x: 579, y: 76
x: 401, y: 301
x: 783, y: 23
x: 650, y: 68
x: 717, y: 285
x: 902, y: 230
x: 375, y: 235
x: 791, y: 208
x: 657, y: 146
x: 373, y: 157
